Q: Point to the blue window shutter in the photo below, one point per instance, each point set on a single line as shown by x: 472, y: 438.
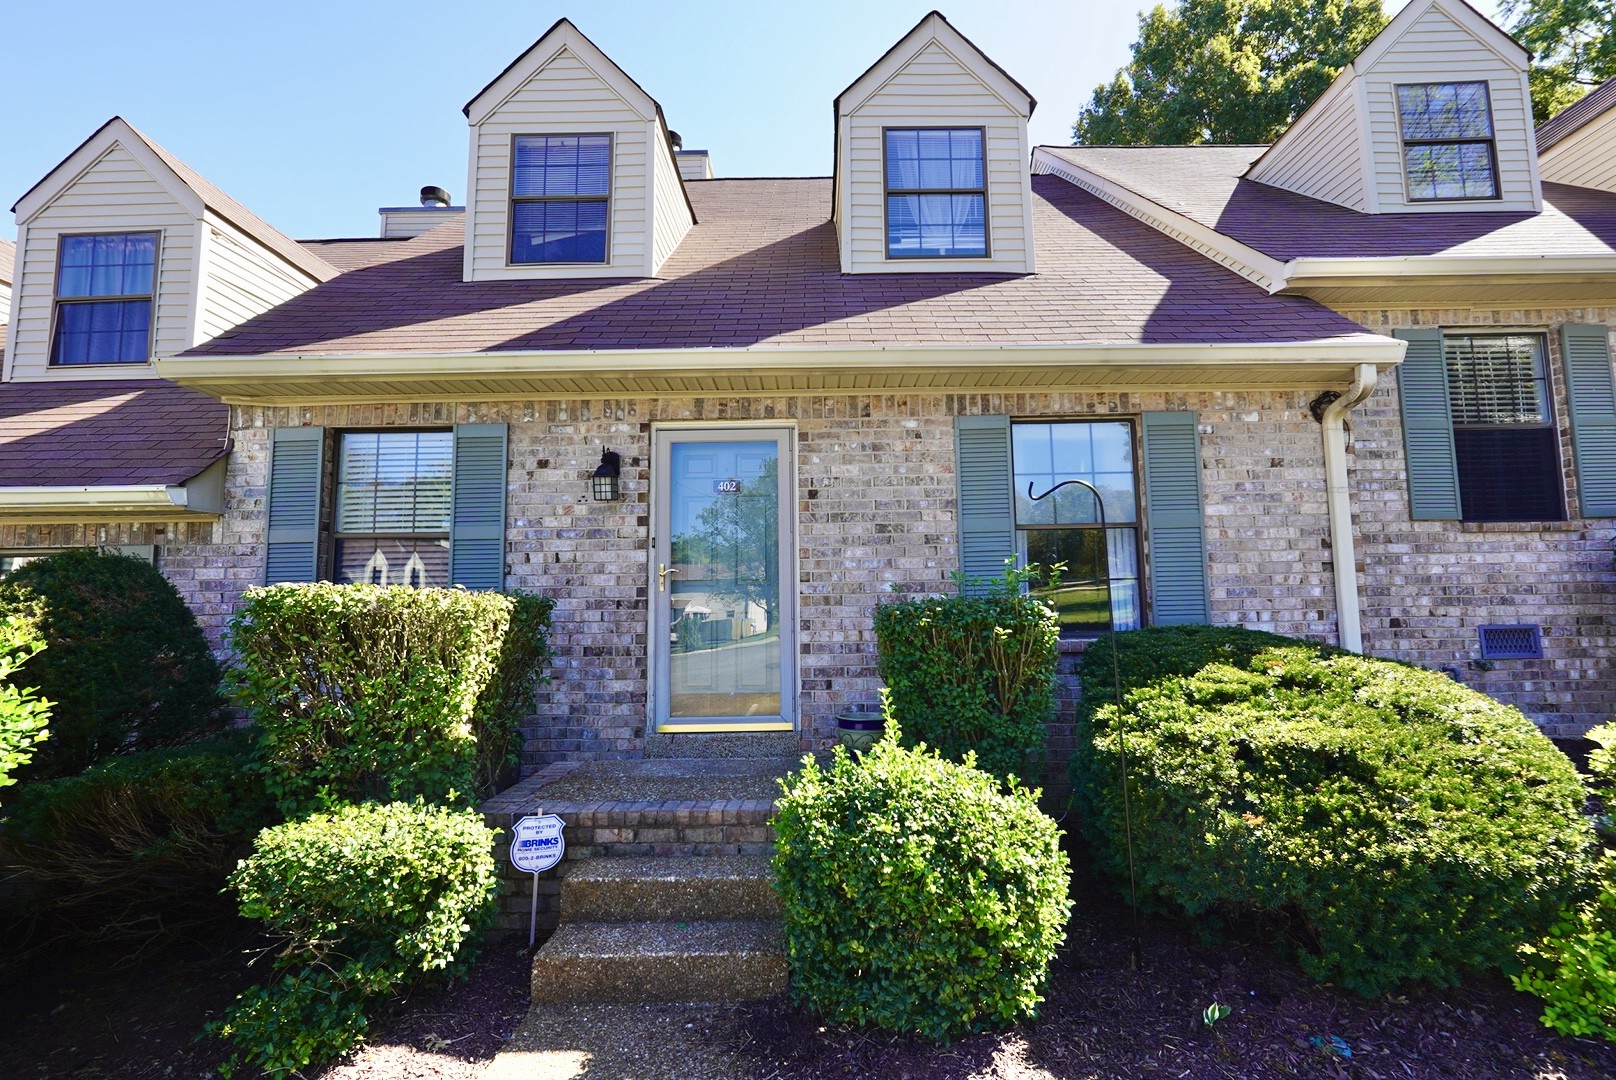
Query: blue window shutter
x: 1585, y: 351
x: 1172, y: 445
x: 1422, y: 388
x: 292, y: 541
x: 986, y: 511
x: 477, y: 520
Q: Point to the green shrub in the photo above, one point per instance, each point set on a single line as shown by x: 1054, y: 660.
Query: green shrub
x: 919, y: 895
x: 127, y: 666
x: 1573, y: 967
x: 973, y: 673
x: 366, y: 899
x: 143, y: 842
x: 365, y: 692
x: 1409, y: 827
x: 23, y: 714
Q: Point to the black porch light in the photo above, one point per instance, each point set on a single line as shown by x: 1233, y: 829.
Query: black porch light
x: 604, y: 484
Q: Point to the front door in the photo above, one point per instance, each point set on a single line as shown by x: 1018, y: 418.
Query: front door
x: 723, y: 583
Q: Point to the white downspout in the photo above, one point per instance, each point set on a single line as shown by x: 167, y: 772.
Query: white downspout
x: 1339, y: 496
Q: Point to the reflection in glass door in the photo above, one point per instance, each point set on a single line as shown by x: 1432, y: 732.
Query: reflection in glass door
x: 723, y: 618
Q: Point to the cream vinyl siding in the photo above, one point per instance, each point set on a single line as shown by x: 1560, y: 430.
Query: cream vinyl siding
x: 113, y: 195
x: 1321, y: 155
x: 401, y: 224
x: 934, y: 89
x: 1437, y: 49
x: 671, y: 214
x: 1585, y: 158
x: 240, y: 279
x: 563, y: 97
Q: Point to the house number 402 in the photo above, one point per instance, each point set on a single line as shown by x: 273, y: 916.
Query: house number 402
x: 727, y: 487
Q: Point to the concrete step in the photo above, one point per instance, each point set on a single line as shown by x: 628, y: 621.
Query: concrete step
x: 704, y: 887
x: 660, y: 961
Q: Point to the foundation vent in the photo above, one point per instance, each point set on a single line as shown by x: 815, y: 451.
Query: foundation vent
x: 1511, y: 643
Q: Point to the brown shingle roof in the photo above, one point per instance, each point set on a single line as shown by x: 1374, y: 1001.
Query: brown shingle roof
x: 144, y: 431
x: 352, y: 253
x: 1577, y: 115
x: 761, y: 270
x: 1204, y: 183
x: 8, y: 259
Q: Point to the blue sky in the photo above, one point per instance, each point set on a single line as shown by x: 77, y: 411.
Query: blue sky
x: 313, y: 114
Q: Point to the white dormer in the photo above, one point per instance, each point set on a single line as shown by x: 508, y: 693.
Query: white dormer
x: 8, y: 253
x: 1433, y: 115
x: 932, y: 161
x: 572, y: 172
x: 124, y: 253
x: 1578, y: 144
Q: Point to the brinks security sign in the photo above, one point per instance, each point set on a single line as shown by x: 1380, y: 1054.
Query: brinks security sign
x: 536, y: 843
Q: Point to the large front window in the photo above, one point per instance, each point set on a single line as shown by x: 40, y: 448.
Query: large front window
x: 936, y: 193
x: 392, y: 514
x: 1058, y: 520
x: 560, y: 195
x: 1448, y: 148
x: 1504, y: 440
x: 104, y: 289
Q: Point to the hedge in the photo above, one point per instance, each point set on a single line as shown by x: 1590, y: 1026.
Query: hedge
x: 1411, y: 828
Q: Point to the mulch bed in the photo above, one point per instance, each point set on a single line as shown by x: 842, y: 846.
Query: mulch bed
x: 1103, y: 1019
x: 89, y: 1012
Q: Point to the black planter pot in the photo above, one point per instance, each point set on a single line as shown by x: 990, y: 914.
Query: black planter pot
x: 859, y: 727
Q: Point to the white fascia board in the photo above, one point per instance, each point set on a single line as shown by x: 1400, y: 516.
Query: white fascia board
x: 1248, y: 262
x: 1364, y: 348
x: 108, y: 498
x: 1299, y: 271
x: 113, y: 132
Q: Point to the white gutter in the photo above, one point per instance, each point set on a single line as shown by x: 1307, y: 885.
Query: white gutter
x: 1338, y: 495
x: 157, y: 501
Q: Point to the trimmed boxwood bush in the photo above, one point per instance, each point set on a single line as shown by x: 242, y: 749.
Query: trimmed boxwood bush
x: 142, y: 843
x: 126, y: 664
x: 919, y: 894
x: 367, y: 692
x: 973, y: 673
x: 24, y: 715
x: 365, y: 899
x: 1573, y: 967
x: 1409, y: 827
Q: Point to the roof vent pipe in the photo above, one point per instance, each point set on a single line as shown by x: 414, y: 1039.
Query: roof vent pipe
x: 434, y: 196
x: 678, y: 143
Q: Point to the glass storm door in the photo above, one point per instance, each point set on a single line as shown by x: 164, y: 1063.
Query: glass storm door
x: 723, y: 580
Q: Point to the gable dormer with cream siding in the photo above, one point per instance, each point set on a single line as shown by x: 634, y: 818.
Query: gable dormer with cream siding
x: 932, y: 161
x: 1577, y: 145
x: 1433, y: 116
x: 122, y: 232
x: 572, y: 173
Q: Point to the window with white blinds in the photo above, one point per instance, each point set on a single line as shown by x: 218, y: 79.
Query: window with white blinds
x: 1505, y: 447
x: 393, y: 507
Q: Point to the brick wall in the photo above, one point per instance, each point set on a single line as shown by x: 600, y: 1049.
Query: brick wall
x: 1428, y: 585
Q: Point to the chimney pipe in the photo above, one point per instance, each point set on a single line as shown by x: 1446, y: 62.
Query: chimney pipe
x: 434, y: 196
x: 678, y: 143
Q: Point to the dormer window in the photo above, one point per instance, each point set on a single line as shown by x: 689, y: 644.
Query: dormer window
x: 560, y: 190
x: 104, y: 289
x: 936, y: 193
x: 1448, y: 150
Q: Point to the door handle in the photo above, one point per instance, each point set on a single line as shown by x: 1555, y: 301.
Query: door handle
x: 663, y: 570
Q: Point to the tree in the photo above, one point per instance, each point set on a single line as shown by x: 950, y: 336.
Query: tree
x: 23, y: 714
x: 1226, y: 71
x: 1573, y: 47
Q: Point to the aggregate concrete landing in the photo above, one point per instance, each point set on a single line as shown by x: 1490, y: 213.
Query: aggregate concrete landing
x: 618, y: 1042
x: 667, y: 780
x: 627, y: 889
x: 661, y: 961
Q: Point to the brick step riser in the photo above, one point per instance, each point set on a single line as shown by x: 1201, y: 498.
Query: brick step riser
x: 607, y: 980
x: 651, y: 899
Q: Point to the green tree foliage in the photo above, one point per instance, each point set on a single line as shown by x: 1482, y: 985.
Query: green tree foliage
x: 1404, y: 827
x: 1573, y: 968
x: 23, y: 714
x: 919, y: 895
x: 1226, y: 71
x: 1573, y: 47
x: 127, y: 666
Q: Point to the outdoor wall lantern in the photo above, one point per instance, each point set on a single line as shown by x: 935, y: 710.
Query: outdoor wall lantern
x: 604, y: 484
